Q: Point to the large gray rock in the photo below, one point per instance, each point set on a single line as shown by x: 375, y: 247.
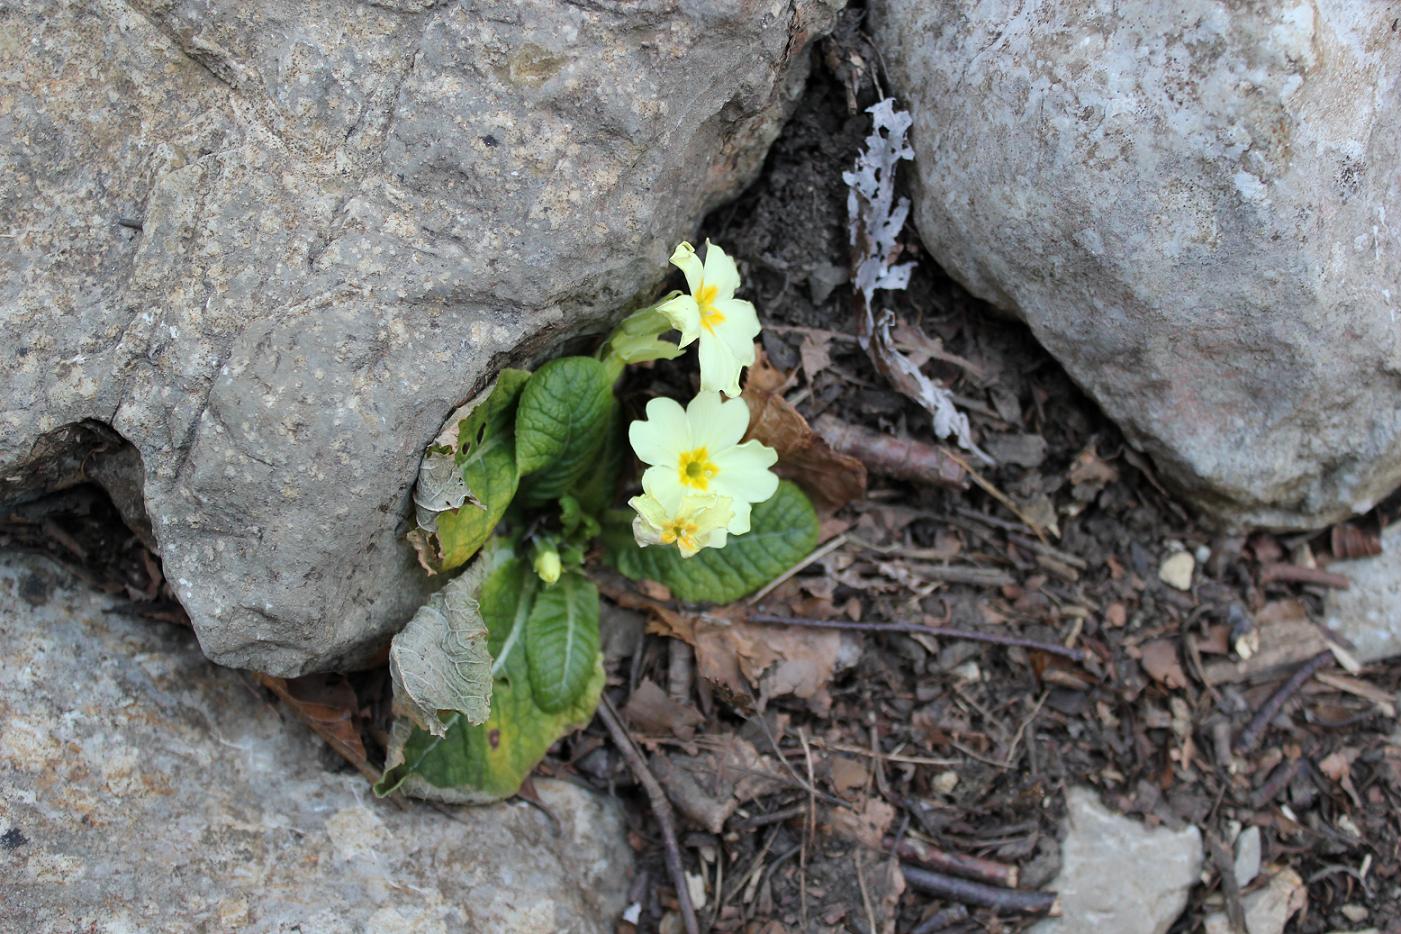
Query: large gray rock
x: 1194, y: 206
x: 142, y: 788
x: 1117, y: 875
x: 274, y: 243
x: 1368, y: 614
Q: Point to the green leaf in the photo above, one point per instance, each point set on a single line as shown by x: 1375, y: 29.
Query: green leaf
x: 596, y: 488
x: 485, y: 452
x: 783, y: 530
x: 487, y: 762
x: 560, y: 425
x: 561, y: 641
x: 439, y: 661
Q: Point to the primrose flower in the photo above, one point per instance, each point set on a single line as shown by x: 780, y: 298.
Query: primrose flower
x: 697, y: 450
x: 726, y: 326
x: 690, y: 521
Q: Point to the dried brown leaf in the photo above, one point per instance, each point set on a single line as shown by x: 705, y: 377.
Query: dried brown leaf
x: 328, y: 705
x: 652, y: 710
x: 1159, y: 659
x: 830, y: 478
x: 866, y: 824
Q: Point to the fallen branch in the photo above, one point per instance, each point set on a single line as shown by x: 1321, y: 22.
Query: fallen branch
x: 1298, y: 574
x: 976, y: 893
x: 1279, y: 779
x: 962, y: 574
x: 661, y: 808
x: 958, y: 864
x: 1255, y: 729
x: 1051, y: 648
x: 942, y: 919
x: 889, y: 456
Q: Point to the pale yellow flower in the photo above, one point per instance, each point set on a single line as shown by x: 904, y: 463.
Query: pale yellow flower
x: 690, y: 521
x: 697, y: 450
x: 725, y: 326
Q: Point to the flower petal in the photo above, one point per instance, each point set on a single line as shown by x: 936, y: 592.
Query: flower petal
x: 663, y: 435
x: 744, y: 472
x: 717, y: 425
x: 719, y: 368
x: 664, y: 485
x: 720, y: 272
x: 740, y: 327
x: 739, y: 522
x: 684, y: 315
x: 685, y: 259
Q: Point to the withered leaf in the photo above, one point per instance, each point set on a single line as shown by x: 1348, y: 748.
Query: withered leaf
x: 830, y: 478
x: 1160, y: 661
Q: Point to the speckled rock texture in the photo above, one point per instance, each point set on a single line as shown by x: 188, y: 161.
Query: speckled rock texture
x: 144, y: 789
x: 1118, y: 875
x: 274, y: 243
x: 1368, y: 613
x: 1195, y: 207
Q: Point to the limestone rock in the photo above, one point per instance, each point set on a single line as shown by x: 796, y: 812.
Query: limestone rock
x: 274, y: 243
x: 1117, y: 875
x: 1267, y: 910
x: 1368, y: 613
x: 1193, y: 206
x: 142, y: 788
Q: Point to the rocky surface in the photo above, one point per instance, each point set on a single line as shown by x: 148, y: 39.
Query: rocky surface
x: 1117, y: 875
x: 1194, y: 207
x: 274, y: 243
x: 142, y: 788
x: 1267, y: 910
x: 1368, y: 613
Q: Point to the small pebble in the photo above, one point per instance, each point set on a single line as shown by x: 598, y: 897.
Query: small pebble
x: 1176, y: 570
x: 1354, y: 913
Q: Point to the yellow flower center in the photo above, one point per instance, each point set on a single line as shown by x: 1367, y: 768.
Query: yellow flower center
x: 697, y: 469
x: 679, y: 530
x: 710, y: 316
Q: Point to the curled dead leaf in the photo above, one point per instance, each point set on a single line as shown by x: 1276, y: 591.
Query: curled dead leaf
x: 830, y: 478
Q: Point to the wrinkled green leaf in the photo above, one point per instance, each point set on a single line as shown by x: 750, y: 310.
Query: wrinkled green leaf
x: 487, y: 762
x: 560, y: 425
x: 484, y: 449
x: 783, y: 531
x: 595, y: 489
x: 561, y: 641
x: 439, y: 661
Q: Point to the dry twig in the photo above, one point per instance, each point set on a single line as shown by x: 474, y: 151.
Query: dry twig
x: 1051, y: 648
x: 958, y: 864
x: 1255, y: 729
x: 1298, y: 574
x: 976, y: 893
x: 661, y: 809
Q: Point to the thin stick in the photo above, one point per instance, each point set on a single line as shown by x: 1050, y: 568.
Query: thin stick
x: 661, y: 808
x: 865, y: 895
x: 988, y: 488
x: 958, y: 864
x: 975, y: 893
x: 1298, y: 574
x: 961, y: 574
x: 1276, y: 783
x: 943, y: 918
x: 809, y: 828
x: 1255, y: 729
x: 774, y: 817
x: 1051, y: 648
x: 816, y: 555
